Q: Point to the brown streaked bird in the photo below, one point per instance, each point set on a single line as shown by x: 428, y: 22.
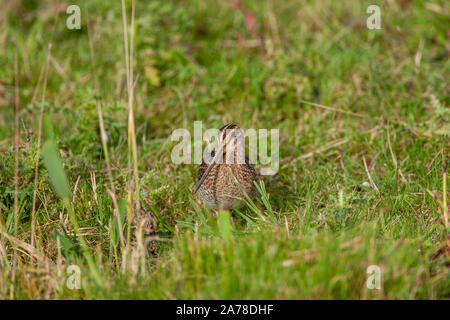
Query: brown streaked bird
x: 227, y: 176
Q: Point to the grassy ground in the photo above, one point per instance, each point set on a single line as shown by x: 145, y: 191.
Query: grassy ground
x: 362, y: 181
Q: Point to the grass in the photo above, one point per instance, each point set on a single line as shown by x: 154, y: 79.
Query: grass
x: 364, y: 136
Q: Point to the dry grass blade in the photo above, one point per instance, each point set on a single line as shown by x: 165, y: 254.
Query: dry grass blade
x: 333, y: 109
x: 30, y: 250
x: 374, y: 186
x: 16, y: 147
x: 38, y: 84
x: 132, y: 148
x: 323, y: 149
x: 394, y: 160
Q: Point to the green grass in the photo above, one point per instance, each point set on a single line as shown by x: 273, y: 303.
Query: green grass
x: 318, y: 225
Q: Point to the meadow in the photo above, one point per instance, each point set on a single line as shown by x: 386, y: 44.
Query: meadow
x: 88, y: 190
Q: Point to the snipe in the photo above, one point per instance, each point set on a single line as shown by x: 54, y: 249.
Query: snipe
x: 227, y: 175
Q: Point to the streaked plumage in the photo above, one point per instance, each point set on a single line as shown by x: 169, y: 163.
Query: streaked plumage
x: 224, y: 185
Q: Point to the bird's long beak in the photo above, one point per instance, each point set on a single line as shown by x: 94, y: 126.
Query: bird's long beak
x: 211, y: 165
x: 213, y: 162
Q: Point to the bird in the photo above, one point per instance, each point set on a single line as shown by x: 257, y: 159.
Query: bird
x: 227, y: 176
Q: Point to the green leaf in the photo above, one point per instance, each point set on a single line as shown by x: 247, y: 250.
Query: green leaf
x: 52, y: 162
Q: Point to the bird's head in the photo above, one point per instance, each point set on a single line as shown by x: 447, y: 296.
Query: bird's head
x: 231, y: 138
x: 229, y: 134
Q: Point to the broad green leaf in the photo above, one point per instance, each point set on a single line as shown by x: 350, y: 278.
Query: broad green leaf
x: 52, y: 162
